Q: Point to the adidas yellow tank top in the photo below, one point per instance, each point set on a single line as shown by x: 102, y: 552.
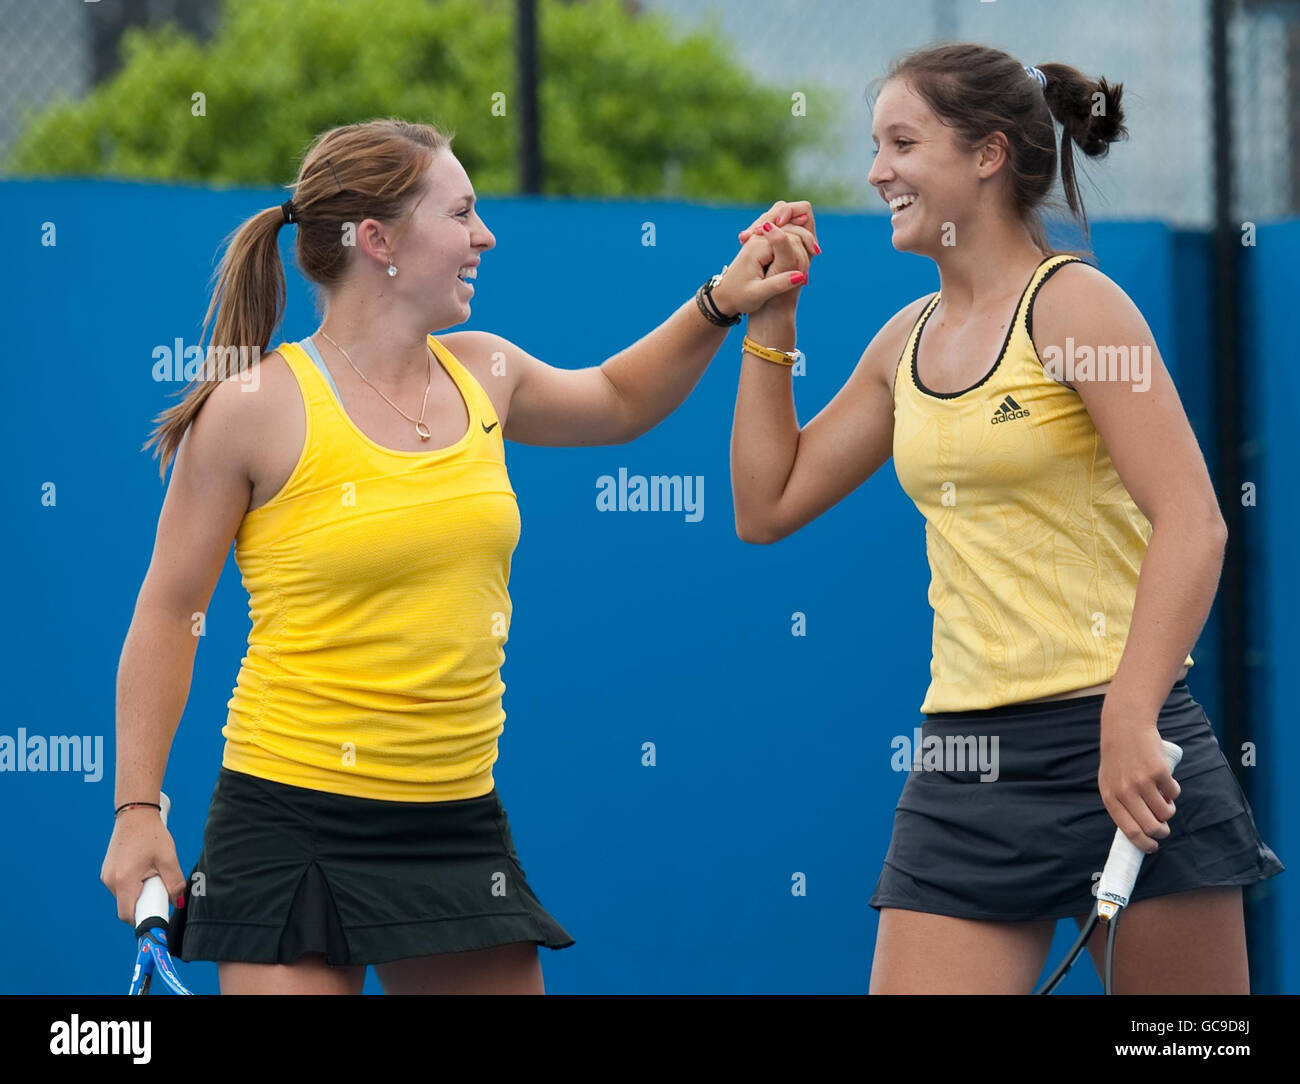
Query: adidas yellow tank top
x: 1033, y: 542
x: 377, y: 583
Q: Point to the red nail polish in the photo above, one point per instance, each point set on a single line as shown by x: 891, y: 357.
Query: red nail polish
x: 798, y: 278
x: 767, y: 227
x: 180, y: 900
x: 817, y: 248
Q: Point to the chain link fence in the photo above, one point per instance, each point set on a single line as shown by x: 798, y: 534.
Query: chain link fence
x: 1159, y: 50
x: 57, y: 50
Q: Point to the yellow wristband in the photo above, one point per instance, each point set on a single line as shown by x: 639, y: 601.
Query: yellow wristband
x: 780, y: 357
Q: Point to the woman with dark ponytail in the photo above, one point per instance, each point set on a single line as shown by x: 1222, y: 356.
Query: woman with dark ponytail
x: 1074, y: 541
x: 361, y: 475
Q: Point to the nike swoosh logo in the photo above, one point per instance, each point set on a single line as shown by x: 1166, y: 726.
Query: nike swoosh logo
x: 488, y: 428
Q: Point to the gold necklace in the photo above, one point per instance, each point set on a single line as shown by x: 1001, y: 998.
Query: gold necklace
x: 422, y: 429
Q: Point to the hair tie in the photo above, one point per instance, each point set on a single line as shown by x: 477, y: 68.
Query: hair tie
x: 287, y: 209
x: 1042, y: 79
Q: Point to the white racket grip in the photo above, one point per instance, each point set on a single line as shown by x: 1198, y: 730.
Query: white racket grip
x: 153, y: 901
x: 1125, y: 860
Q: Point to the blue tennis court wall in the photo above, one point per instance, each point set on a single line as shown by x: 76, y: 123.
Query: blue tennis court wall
x: 772, y: 751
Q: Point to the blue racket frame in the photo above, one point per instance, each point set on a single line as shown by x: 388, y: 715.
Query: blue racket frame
x: 153, y: 958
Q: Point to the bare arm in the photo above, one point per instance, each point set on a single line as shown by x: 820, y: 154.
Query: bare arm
x: 206, y: 499
x: 610, y: 403
x: 783, y: 477
x: 1155, y: 453
x: 633, y: 391
x: 1145, y: 431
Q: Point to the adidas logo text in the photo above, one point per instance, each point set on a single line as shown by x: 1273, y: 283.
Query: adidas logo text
x: 1008, y: 410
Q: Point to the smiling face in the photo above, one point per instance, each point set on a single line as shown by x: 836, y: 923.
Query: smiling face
x: 922, y: 172
x: 438, y: 248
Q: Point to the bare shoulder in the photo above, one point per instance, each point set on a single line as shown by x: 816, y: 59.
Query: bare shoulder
x: 256, y: 424
x: 247, y: 403
x: 475, y: 349
x: 885, y: 351
x: 1079, y: 299
x: 494, y: 361
x: 1071, y: 285
x: 215, y: 477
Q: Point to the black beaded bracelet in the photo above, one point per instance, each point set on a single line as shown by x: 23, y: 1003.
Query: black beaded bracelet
x: 706, y: 311
x: 128, y: 805
x: 711, y: 312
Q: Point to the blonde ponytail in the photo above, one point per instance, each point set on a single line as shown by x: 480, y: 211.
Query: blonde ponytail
x: 247, y: 303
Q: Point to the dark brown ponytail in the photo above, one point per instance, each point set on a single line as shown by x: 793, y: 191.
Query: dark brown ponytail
x: 1091, y: 118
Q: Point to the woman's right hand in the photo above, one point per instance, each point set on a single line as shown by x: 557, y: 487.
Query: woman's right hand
x: 140, y: 848
x: 770, y: 268
x: 792, y: 248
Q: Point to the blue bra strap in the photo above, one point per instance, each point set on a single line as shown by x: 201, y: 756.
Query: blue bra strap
x: 312, y: 352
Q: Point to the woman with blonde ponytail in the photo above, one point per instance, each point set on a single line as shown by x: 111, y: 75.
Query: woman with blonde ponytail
x: 1034, y: 425
x: 361, y: 475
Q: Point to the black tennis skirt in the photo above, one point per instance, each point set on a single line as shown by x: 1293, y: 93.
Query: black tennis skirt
x: 287, y: 870
x: 1031, y: 843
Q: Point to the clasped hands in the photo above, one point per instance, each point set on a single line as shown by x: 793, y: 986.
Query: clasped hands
x: 772, y: 265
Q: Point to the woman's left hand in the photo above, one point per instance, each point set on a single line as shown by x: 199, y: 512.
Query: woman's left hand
x: 781, y: 213
x: 1136, y: 784
x: 749, y: 281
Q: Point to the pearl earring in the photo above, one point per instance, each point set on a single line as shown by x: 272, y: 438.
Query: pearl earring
x: 391, y: 269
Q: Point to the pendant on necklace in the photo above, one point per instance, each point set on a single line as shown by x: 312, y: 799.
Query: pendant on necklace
x: 423, y: 430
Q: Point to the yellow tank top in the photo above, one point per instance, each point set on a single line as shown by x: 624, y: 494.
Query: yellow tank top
x: 1033, y: 542
x: 377, y: 583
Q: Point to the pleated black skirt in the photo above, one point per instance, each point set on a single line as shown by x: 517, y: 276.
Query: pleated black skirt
x: 1031, y: 843
x: 287, y: 870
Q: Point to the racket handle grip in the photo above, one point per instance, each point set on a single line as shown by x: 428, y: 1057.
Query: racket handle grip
x: 153, y: 902
x: 1125, y: 860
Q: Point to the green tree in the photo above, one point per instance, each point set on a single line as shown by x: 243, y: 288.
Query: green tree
x: 628, y: 107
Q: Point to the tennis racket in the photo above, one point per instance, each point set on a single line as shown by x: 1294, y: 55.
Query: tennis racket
x: 151, y: 912
x: 1118, y: 877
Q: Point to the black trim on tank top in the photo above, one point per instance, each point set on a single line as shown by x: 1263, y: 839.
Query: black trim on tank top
x: 916, y: 343
x: 1029, y: 312
x: 912, y: 336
